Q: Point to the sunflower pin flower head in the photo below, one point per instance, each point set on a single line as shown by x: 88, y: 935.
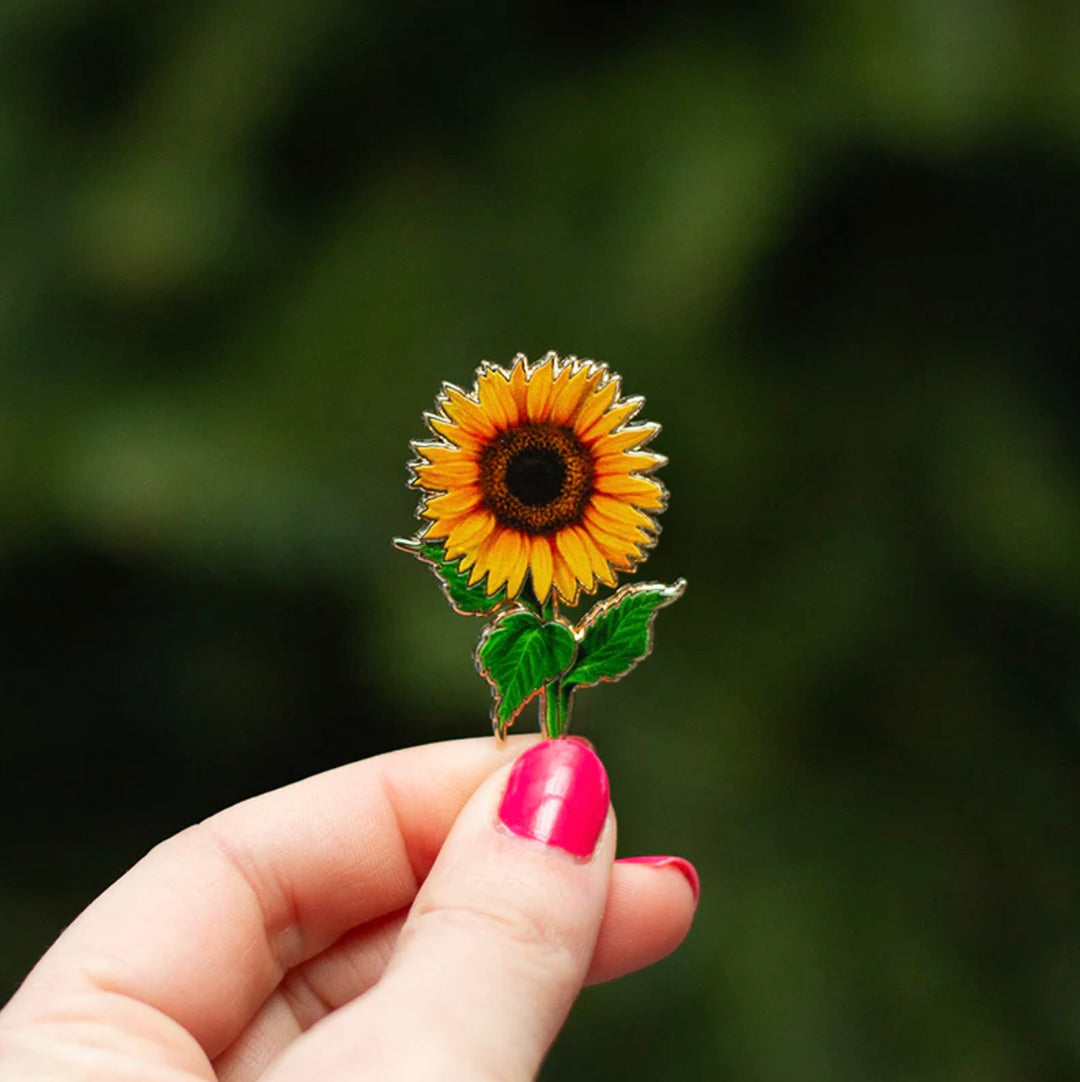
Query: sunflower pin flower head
x: 537, y: 487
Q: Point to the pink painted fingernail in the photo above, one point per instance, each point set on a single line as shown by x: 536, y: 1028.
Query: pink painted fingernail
x: 558, y: 794
x: 681, y: 864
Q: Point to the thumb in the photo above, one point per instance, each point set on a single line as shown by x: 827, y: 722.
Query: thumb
x: 498, y: 941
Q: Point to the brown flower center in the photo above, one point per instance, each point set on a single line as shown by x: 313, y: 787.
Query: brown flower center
x: 536, y: 478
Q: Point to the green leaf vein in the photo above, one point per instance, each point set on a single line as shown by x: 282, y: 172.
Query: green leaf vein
x: 518, y: 655
x: 617, y: 633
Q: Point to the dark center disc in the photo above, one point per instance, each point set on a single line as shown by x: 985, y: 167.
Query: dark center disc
x: 536, y: 478
x: 536, y: 475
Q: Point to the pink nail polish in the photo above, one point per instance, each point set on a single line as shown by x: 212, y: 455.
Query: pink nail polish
x: 557, y: 794
x: 582, y: 740
x: 679, y: 863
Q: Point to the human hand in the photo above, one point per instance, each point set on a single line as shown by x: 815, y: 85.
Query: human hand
x: 427, y: 914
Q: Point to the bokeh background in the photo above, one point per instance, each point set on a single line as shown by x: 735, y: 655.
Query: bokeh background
x: 835, y: 245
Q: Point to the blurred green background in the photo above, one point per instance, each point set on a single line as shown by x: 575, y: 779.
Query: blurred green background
x: 837, y: 246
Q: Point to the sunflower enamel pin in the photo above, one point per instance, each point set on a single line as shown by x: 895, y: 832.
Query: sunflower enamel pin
x: 537, y: 488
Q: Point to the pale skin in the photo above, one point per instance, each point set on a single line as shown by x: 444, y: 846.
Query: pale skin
x: 372, y: 922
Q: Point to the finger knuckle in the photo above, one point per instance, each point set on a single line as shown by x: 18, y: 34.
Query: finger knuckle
x: 526, y: 929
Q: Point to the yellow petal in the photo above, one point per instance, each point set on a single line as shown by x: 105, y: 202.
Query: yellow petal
x: 624, y: 439
x: 595, y: 404
x: 469, y: 531
x: 600, y: 566
x: 450, y: 475
x: 565, y: 403
x: 565, y: 582
x: 519, y: 386
x: 561, y: 377
x: 538, y: 394
x: 596, y: 374
x: 506, y: 552
x: 644, y: 492
x: 519, y: 567
x: 434, y: 531
x: 628, y: 462
x: 508, y: 403
x: 468, y: 549
x: 471, y: 416
x: 453, y: 503
x: 624, y: 559
x: 454, y: 433
x: 541, y: 565
x: 438, y: 454
x: 619, y: 549
x: 478, y: 558
x: 494, y: 393
x: 574, y: 555
x: 618, y: 512
x: 609, y: 421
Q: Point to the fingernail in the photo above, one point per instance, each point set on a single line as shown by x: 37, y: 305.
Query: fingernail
x: 679, y: 863
x: 557, y: 794
x: 583, y: 740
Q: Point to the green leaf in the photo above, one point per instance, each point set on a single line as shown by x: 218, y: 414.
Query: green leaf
x: 517, y: 655
x: 617, y: 633
x: 463, y: 598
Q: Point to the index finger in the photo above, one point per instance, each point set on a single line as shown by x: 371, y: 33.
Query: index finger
x: 204, y: 927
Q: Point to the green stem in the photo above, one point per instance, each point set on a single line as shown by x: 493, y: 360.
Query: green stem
x: 552, y: 723
x: 552, y: 705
